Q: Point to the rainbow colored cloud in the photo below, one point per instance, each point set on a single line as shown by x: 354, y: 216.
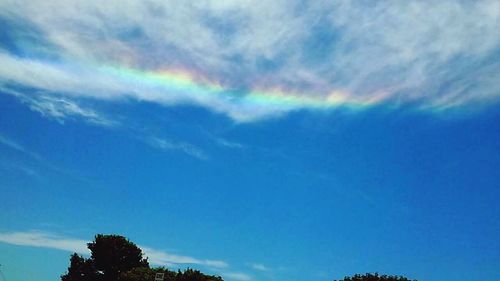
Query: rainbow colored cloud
x: 250, y: 61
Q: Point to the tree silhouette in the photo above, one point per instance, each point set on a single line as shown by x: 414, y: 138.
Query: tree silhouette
x: 375, y: 277
x: 115, y: 258
x: 80, y: 269
x: 147, y: 274
x: 114, y: 254
x: 110, y: 256
x: 195, y: 275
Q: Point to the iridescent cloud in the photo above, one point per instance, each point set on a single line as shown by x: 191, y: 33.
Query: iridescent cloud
x: 249, y: 60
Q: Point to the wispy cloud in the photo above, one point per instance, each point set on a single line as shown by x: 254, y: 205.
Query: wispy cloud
x: 60, y: 108
x: 54, y: 241
x: 36, y: 161
x: 258, y: 266
x: 34, y: 158
x: 18, y: 147
x: 10, y: 143
x: 239, y: 276
x: 229, y: 144
x: 341, y: 52
x: 185, y: 147
x: 45, y: 240
x: 158, y: 257
x: 13, y: 166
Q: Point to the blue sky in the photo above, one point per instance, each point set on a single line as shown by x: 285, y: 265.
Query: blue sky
x: 257, y: 141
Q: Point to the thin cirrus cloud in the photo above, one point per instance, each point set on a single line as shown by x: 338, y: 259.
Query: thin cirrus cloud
x: 12, y: 144
x: 44, y: 240
x: 251, y: 60
x: 61, y: 108
x: 13, y: 165
x: 187, y: 148
x: 53, y: 241
x: 258, y: 266
x: 239, y: 276
x: 162, y: 258
x: 37, y: 158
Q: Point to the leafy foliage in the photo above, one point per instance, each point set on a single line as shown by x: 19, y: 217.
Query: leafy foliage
x: 195, y: 275
x: 114, y: 254
x: 375, y: 277
x: 80, y: 269
x: 143, y: 274
x: 115, y: 258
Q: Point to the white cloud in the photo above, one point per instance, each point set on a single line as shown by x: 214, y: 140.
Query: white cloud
x: 24, y: 167
x: 215, y: 263
x: 18, y: 147
x: 61, y: 108
x: 53, y: 241
x: 158, y: 257
x: 187, y: 148
x: 421, y: 45
x: 228, y: 144
x: 11, y: 166
x: 12, y: 144
x: 45, y: 240
x: 440, y: 54
x: 240, y: 276
x: 258, y: 266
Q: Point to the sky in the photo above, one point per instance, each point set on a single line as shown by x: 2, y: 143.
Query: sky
x: 289, y: 140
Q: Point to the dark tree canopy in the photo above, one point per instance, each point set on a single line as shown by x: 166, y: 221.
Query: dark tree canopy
x: 195, y: 275
x: 114, y: 254
x: 111, y: 255
x: 375, y: 277
x: 115, y: 258
x: 144, y: 274
x: 80, y: 269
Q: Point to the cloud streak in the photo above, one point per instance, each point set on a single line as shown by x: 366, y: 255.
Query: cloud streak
x: 53, y: 241
x: 250, y: 60
x: 185, y: 147
x: 259, y: 267
x: 163, y: 258
x: 60, y: 108
x: 240, y: 276
x: 45, y: 240
x: 18, y: 147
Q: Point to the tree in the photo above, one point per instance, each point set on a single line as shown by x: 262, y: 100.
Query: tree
x: 375, y: 277
x: 147, y: 274
x: 80, y: 269
x: 115, y: 258
x: 111, y: 255
x: 114, y: 254
x: 195, y: 275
